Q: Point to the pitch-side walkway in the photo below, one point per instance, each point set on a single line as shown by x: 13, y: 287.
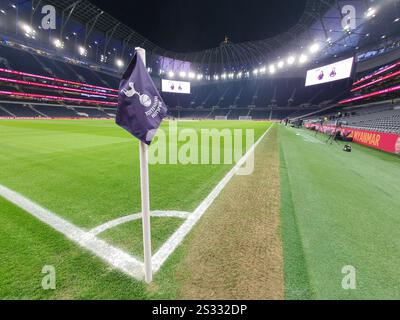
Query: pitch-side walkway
x: 235, y: 252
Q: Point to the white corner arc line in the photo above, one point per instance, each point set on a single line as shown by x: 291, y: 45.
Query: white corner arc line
x: 176, y: 239
x: 113, y: 256
x: 158, y: 214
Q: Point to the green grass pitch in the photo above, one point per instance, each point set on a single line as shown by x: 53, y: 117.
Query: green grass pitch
x: 337, y: 209
x: 87, y: 172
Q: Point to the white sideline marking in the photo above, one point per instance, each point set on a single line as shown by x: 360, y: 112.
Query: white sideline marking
x: 113, y: 256
x: 159, y: 214
x: 176, y: 239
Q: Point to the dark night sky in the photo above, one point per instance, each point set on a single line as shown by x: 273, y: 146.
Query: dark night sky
x: 191, y: 25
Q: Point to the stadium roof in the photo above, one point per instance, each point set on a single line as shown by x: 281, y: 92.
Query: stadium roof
x: 320, y: 23
x: 88, y: 13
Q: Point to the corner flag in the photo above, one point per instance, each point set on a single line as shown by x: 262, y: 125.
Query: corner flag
x: 140, y: 112
x: 140, y: 106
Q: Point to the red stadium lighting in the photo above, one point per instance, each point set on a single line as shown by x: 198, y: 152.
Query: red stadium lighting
x: 376, y: 81
x: 42, y: 96
x: 42, y: 85
x: 24, y: 74
x: 377, y: 73
x: 369, y: 95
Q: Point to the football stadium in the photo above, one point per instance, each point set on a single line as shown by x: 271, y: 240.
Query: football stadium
x: 200, y: 150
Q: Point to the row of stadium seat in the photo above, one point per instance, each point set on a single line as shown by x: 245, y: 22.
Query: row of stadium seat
x: 258, y: 93
x: 231, y: 99
x: 384, y: 121
x: 27, y: 62
x: 381, y: 118
x: 52, y: 111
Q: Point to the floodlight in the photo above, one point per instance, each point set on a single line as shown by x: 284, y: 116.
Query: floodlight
x: 314, y: 48
x: 119, y: 63
x: 303, y: 58
x: 370, y: 13
x: 272, y: 69
x: 291, y: 60
x: 58, y: 44
x: 82, y: 51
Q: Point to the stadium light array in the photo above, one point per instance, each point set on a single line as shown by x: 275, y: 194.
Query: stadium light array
x: 371, y: 13
x: 396, y: 20
x: 199, y: 76
x: 58, y: 43
x: 281, y: 64
x: 182, y: 74
x: 171, y: 74
x: 191, y: 75
x: 82, y: 51
x: 103, y: 58
x: 28, y: 31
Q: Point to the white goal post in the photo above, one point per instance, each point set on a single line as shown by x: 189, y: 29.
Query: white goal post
x: 245, y: 118
x: 221, y: 118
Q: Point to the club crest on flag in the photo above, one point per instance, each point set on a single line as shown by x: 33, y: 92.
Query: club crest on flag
x: 140, y: 106
x: 144, y: 99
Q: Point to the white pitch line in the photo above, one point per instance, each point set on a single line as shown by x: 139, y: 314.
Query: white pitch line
x: 176, y: 239
x: 113, y: 256
x: 158, y: 214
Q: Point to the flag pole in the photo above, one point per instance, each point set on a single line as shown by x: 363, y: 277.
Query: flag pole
x: 145, y: 186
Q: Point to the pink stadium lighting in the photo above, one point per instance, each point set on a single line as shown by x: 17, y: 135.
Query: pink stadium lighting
x: 42, y: 85
x: 369, y: 95
x: 41, y: 96
x: 55, y: 79
x: 377, y: 73
x: 376, y: 81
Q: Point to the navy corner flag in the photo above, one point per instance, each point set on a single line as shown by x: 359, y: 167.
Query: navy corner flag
x: 140, y: 106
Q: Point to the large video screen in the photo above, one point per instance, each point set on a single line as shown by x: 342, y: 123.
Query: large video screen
x: 333, y: 72
x: 173, y: 86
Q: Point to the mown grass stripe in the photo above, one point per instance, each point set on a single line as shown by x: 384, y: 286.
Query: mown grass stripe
x: 297, y: 282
